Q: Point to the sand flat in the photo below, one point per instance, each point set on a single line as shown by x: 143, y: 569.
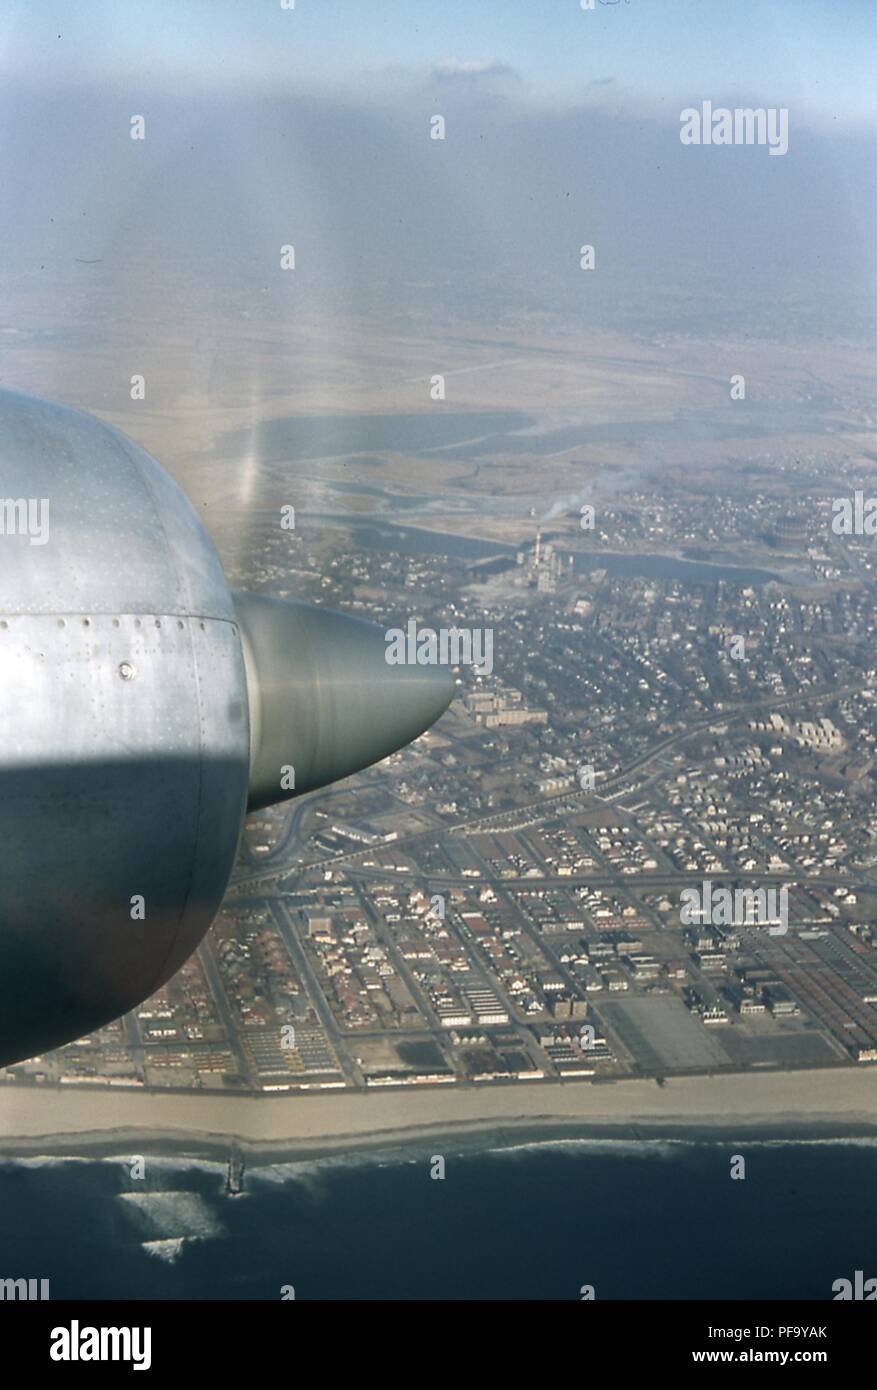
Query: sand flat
x: 830, y: 1101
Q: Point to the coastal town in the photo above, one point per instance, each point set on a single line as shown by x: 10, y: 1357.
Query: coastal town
x: 680, y: 714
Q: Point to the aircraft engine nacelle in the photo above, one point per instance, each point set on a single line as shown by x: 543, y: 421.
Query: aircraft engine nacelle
x: 143, y: 709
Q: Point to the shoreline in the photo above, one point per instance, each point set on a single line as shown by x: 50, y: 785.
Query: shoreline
x: 776, y: 1106
x: 401, y: 1144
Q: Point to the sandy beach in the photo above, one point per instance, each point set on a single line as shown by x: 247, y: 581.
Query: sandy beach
x: 802, y: 1104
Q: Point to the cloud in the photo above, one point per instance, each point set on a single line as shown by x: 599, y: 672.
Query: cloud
x: 454, y: 69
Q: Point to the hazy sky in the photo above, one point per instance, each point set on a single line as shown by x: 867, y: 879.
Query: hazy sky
x: 310, y: 127
x: 815, y: 54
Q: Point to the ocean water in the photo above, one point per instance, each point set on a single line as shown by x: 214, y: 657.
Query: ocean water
x: 534, y: 1221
